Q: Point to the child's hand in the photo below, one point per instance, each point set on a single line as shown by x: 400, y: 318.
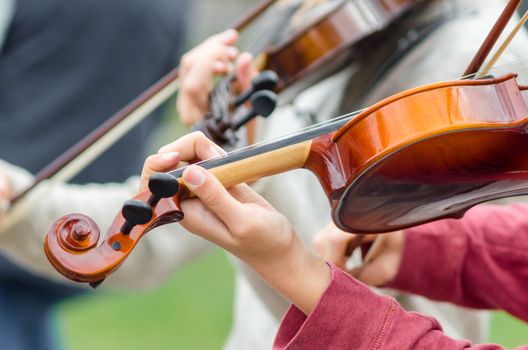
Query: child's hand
x: 200, y: 65
x: 243, y: 223
x: 332, y: 245
x: 5, y: 194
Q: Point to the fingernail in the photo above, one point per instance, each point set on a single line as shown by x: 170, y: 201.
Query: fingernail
x: 216, y: 151
x: 229, y: 33
x: 170, y: 156
x: 232, y: 52
x: 219, y: 66
x: 194, y: 176
x: 213, y: 152
x: 246, y: 56
x: 164, y: 149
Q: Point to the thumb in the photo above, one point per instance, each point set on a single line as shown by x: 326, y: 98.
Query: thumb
x: 213, y: 194
x: 245, y: 70
x: 378, y: 272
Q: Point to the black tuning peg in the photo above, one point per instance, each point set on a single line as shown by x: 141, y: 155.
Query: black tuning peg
x: 266, y: 80
x: 263, y: 103
x: 135, y: 213
x: 162, y: 185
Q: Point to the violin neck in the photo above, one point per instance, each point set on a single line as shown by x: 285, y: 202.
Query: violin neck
x: 266, y: 164
x: 254, y: 162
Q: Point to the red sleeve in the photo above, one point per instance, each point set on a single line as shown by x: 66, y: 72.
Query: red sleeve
x: 351, y: 316
x: 480, y: 261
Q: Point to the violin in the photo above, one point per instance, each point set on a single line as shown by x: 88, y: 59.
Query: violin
x: 424, y: 154
x: 427, y: 153
x: 319, y: 31
x: 308, y: 40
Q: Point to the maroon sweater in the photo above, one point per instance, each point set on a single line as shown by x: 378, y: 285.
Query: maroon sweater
x: 480, y: 261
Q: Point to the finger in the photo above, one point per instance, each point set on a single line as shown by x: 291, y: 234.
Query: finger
x: 376, y: 273
x: 245, y: 194
x: 196, y: 82
x: 5, y: 194
x: 384, y: 264
x: 221, y: 68
x: 158, y: 163
x: 245, y: 71
x: 193, y: 146
x: 201, y: 221
x: 214, y: 195
x: 226, y: 38
x: 336, y: 248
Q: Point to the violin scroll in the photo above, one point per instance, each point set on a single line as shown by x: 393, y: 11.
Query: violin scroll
x: 72, y: 246
x: 77, y: 233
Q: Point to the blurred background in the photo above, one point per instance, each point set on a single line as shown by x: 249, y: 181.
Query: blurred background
x: 193, y: 309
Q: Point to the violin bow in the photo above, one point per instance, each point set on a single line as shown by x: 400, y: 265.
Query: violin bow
x: 492, y: 37
x: 475, y: 67
x: 80, y: 155
x: 484, y: 70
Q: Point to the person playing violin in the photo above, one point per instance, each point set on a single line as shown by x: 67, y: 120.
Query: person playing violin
x: 345, y: 91
x: 472, y: 262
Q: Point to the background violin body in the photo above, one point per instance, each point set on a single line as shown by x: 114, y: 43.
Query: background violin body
x: 323, y: 40
x: 302, y: 42
x: 426, y: 153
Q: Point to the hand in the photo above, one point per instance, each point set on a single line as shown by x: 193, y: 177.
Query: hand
x: 333, y: 245
x: 221, y: 215
x: 198, y: 68
x: 5, y: 194
x: 242, y: 222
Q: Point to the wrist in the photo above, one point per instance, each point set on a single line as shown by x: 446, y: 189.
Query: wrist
x: 298, y: 275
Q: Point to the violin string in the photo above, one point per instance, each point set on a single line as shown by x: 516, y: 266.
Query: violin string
x: 254, y: 42
x: 221, y: 91
x: 286, y: 136
x: 519, y: 63
x: 485, y: 69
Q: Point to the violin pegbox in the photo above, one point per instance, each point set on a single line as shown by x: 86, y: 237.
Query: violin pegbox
x: 75, y: 239
x: 161, y: 185
x: 228, y: 114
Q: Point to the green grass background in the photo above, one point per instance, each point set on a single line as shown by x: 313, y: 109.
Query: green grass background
x: 192, y: 311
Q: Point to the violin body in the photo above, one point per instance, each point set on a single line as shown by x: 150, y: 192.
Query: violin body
x: 427, y: 153
x: 316, y: 40
x: 323, y: 45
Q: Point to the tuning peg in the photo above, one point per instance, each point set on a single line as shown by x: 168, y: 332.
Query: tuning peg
x: 135, y: 213
x: 162, y: 185
x: 263, y: 103
x: 266, y: 80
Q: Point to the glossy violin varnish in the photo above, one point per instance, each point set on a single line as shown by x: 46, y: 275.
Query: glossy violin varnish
x: 433, y: 153
x: 325, y: 43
